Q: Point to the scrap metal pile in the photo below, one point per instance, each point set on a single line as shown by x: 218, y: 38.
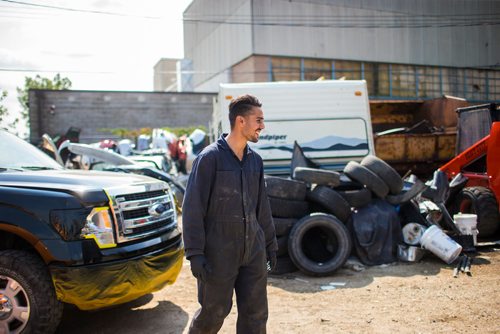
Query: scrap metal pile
x: 322, y: 217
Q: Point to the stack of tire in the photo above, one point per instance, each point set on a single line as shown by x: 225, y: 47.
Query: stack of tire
x: 311, y: 210
x: 288, y: 204
x: 320, y: 243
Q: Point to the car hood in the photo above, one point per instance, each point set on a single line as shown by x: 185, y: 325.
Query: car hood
x: 87, y: 184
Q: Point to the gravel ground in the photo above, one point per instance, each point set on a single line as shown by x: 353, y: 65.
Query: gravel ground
x: 419, y: 297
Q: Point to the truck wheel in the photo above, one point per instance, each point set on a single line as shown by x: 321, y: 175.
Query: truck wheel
x: 482, y: 202
x: 283, y: 225
x: 332, y: 201
x: 284, y: 188
x: 319, y: 244
x: 317, y: 176
x: 285, y: 208
x: 385, y: 172
x: 365, y: 176
x: 28, y: 300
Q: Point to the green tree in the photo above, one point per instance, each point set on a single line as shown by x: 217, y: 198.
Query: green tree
x: 3, y: 110
x: 57, y: 83
x: 4, y: 113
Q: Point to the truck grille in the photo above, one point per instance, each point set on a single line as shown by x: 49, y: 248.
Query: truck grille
x: 144, y: 214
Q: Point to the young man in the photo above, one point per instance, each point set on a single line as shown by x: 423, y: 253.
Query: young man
x: 227, y: 225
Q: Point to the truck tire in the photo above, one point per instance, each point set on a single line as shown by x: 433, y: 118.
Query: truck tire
x: 34, y: 295
x: 283, y: 225
x: 331, y: 201
x: 317, y: 176
x: 319, y: 244
x: 365, y: 176
x: 356, y: 198
x: 385, y: 172
x: 285, y: 188
x: 284, y: 265
x: 482, y: 202
x: 285, y: 208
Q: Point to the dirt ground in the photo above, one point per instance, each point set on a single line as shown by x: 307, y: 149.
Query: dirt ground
x: 398, y: 298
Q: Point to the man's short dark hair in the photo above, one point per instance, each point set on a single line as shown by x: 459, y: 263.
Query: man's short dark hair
x: 241, y: 106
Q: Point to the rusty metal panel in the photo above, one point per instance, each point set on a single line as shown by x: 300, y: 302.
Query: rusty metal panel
x: 390, y: 148
x: 429, y: 147
x: 420, y: 147
x: 446, y: 146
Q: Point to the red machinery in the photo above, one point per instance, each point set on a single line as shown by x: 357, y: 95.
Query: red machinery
x: 478, y: 160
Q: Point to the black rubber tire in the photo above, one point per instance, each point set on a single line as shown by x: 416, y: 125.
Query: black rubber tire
x: 365, y: 176
x: 37, y: 290
x: 482, y: 202
x: 285, y: 188
x: 357, y: 198
x: 403, y: 197
x: 317, y: 176
x: 284, y: 208
x: 346, y: 183
x: 282, y: 246
x: 385, y: 172
x: 319, y: 244
x: 284, y: 265
x: 283, y: 225
x: 331, y: 201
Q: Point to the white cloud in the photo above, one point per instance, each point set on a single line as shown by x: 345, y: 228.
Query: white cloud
x: 95, y: 51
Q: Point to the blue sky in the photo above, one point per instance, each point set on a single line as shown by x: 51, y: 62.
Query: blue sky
x: 98, y: 45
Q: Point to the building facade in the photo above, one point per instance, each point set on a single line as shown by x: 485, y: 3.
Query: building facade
x: 404, y: 49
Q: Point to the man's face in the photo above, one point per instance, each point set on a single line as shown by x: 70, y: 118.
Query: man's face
x: 253, y: 124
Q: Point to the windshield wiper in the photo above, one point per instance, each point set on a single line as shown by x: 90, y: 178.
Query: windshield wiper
x: 5, y: 169
x: 36, y: 168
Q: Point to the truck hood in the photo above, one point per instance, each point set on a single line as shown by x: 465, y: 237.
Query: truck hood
x: 86, y: 184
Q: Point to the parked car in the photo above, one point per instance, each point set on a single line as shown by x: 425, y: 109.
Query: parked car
x: 88, y: 238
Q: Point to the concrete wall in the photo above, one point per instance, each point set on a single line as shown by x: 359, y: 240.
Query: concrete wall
x: 213, y: 46
x: 54, y: 112
x: 165, y: 75
x: 377, y: 30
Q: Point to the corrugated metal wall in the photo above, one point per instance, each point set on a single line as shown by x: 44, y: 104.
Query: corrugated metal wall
x: 219, y: 34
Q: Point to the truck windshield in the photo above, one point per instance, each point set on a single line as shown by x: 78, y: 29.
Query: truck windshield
x: 16, y: 154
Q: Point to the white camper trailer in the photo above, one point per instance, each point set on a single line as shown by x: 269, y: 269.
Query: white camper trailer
x: 329, y: 119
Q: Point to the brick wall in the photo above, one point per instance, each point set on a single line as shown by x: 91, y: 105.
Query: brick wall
x: 54, y: 112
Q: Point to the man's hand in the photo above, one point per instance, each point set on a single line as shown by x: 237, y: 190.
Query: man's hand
x: 199, y: 267
x: 272, y: 260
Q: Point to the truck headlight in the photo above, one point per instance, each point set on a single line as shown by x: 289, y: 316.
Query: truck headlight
x: 99, y: 226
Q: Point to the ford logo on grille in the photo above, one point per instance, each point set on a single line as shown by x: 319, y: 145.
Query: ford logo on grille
x: 157, y: 209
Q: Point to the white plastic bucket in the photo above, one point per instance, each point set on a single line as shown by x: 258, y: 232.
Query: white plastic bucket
x: 467, y: 224
x: 441, y: 245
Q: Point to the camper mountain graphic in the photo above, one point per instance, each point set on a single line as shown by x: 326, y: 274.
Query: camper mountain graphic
x: 328, y: 143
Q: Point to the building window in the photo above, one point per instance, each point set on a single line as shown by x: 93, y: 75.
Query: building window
x: 315, y: 69
x: 403, y: 80
x: 285, y: 69
x: 429, y: 82
x: 453, y: 82
x: 377, y: 79
x: 475, y: 84
x: 349, y: 70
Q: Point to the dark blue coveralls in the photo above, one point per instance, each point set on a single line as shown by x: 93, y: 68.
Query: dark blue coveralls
x: 226, y: 217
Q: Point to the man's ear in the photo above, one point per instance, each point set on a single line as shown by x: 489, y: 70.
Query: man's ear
x: 240, y: 119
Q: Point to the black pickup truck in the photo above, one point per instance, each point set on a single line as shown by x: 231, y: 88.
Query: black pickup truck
x: 92, y: 239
